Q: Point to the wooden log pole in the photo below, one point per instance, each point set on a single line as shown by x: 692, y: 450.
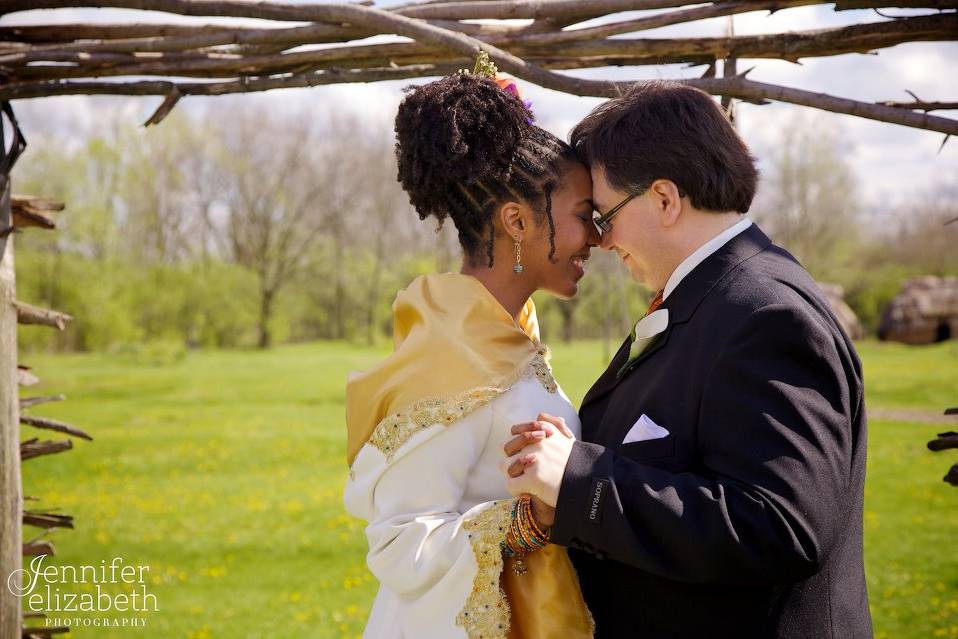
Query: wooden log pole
x: 33, y: 447
x: 53, y: 424
x: 944, y: 441
x: 27, y: 402
x: 25, y: 377
x: 34, y: 548
x: 47, y: 520
x: 30, y: 314
x: 44, y: 632
x: 11, y: 494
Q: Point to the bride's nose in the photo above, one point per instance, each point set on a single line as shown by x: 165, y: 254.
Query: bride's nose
x: 594, y: 238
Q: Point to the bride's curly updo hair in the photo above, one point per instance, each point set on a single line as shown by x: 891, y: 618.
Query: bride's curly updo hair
x: 465, y: 146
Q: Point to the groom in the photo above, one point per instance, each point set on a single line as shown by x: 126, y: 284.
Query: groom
x: 717, y: 489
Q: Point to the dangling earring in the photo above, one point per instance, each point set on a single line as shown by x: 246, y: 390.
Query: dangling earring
x: 518, y: 267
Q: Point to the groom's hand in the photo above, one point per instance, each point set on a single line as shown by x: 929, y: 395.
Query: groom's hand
x: 528, y: 433
x: 541, y: 457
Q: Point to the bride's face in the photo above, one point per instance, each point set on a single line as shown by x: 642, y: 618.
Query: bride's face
x: 575, y: 234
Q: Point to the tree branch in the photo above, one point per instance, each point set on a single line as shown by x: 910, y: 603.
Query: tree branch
x: 30, y: 314
x: 319, y: 12
x: 27, y: 402
x: 31, y: 448
x: 583, y: 54
x: 737, y: 87
x: 53, y: 424
x: 440, y: 50
x: 919, y: 105
x: 47, y: 520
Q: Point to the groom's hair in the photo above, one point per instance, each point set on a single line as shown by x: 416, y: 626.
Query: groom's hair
x: 465, y: 147
x: 666, y: 130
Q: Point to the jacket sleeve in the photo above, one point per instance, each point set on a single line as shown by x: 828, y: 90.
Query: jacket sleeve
x: 772, y: 488
x: 423, y: 546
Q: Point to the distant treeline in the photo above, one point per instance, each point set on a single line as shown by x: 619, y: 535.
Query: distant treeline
x: 244, y: 229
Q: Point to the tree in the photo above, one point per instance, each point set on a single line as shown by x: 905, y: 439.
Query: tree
x: 808, y: 200
x: 280, y: 182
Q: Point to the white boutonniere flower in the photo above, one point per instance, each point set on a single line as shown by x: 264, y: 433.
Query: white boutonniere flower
x: 645, y: 331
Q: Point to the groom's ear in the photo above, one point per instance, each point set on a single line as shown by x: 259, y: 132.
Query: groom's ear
x: 667, y: 201
x: 513, y: 217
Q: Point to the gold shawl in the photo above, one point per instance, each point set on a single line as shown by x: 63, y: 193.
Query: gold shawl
x: 450, y: 335
x: 455, y: 348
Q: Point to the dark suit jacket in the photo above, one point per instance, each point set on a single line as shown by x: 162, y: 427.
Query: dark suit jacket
x: 746, y: 520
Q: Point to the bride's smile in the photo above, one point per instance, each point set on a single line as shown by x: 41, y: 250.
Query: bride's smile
x: 574, y: 234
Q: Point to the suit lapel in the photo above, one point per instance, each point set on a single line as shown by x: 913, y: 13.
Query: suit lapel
x: 682, y: 303
x: 617, y: 370
x: 657, y: 342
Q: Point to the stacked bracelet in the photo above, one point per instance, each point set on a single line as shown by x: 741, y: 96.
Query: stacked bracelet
x: 524, y: 535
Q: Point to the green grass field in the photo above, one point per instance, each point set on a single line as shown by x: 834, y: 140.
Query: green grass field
x: 223, y: 472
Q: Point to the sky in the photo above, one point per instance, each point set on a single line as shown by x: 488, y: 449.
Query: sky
x: 891, y: 163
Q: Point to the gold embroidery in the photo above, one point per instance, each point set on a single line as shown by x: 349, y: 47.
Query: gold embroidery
x: 396, y: 429
x: 540, y: 368
x: 485, y: 614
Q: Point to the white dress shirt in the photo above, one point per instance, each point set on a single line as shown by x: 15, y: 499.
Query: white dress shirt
x: 702, y: 252
x: 654, y: 323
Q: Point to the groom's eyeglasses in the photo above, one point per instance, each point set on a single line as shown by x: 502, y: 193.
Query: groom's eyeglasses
x: 603, y: 221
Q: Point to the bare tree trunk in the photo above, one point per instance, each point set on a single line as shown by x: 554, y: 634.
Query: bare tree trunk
x: 339, y: 302
x: 11, y: 512
x: 567, y: 310
x: 373, y: 297
x: 265, y: 313
x: 625, y: 320
x: 606, y: 316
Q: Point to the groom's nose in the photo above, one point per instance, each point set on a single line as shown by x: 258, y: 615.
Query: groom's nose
x: 605, y: 241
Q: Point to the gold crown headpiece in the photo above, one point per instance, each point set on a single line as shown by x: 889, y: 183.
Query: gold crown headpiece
x: 486, y: 67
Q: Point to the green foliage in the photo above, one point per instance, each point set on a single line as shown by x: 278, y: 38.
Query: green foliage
x: 869, y: 290
x: 116, y: 305
x: 95, y: 293
x: 156, y: 352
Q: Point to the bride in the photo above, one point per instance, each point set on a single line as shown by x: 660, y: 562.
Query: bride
x: 455, y: 554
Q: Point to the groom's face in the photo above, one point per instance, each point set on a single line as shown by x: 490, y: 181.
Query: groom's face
x: 634, y: 230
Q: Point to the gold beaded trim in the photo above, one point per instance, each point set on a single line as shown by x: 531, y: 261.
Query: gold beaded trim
x: 540, y: 367
x: 485, y: 614
x: 395, y: 430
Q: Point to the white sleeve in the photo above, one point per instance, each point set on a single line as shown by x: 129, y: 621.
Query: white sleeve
x: 422, y: 547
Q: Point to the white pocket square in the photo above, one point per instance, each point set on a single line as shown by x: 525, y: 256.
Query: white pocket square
x: 644, y: 429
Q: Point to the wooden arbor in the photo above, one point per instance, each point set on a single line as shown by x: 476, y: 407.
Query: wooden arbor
x: 49, y: 60
x: 313, y: 44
